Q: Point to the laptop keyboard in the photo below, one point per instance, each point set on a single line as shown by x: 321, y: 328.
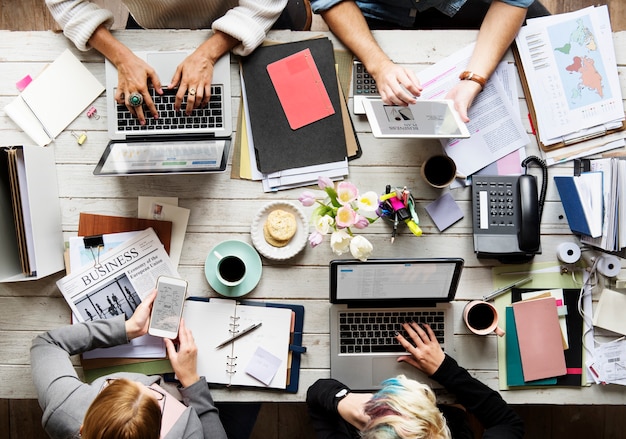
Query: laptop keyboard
x: 209, y: 117
x: 374, y: 332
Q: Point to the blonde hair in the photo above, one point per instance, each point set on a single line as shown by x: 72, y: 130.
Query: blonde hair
x: 404, y: 409
x: 122, y: 410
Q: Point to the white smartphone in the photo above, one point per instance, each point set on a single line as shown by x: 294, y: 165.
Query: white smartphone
x: 167, y: 308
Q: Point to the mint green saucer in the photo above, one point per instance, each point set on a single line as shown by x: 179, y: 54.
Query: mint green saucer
x: 248, y: 254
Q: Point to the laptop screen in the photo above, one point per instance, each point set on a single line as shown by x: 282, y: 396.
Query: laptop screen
x: 395, y: 280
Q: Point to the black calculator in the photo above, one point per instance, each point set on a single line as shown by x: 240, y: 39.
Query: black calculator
x: 363, y: 86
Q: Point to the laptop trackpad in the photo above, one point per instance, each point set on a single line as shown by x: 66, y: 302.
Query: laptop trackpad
x: 165, y: 64
x: 384, y: 368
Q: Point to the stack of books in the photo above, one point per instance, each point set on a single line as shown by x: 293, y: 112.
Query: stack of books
x: 595, y: 201
x: 543, y: 339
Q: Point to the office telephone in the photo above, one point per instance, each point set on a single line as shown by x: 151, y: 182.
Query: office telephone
x: 506, y: 214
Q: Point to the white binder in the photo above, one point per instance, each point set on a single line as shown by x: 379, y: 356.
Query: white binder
x: 38, y: 251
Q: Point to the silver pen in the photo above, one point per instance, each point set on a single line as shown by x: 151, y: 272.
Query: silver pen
x: 239, y: 334
x: 506, y: 288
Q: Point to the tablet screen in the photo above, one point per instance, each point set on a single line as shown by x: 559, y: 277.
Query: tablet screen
x: 435, y: 119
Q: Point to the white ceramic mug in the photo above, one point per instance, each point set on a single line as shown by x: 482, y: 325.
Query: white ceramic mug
x: 481, y: 318
x: 230, y: 269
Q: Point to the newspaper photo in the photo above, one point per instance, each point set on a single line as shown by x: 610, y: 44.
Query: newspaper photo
x: 117, y: 282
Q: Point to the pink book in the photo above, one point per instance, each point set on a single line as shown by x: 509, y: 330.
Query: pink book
x: 539, y: 336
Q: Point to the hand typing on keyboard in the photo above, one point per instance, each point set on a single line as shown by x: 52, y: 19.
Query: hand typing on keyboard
x: 193, y: 76
x: 425, y: 351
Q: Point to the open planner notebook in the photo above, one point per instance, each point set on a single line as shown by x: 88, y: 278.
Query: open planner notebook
x: 258, y: 359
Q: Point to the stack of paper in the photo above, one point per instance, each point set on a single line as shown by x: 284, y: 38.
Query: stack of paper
x: 292, y: 129
x: 569, y: 71
x: 611, y: 199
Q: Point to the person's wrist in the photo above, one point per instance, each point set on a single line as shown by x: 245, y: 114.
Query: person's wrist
x: 133, y: 330
x: 189, y: 380
x: 473, y: 77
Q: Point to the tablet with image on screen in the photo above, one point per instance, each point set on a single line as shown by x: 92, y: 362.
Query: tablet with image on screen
x: 431, y: 119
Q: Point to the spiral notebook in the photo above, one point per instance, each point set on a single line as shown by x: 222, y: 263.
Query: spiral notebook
x: 259, y: 359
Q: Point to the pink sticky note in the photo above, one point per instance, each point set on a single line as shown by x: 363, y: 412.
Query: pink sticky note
x: 23, y: 83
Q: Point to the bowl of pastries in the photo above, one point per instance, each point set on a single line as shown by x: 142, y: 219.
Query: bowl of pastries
x: 279, y: 231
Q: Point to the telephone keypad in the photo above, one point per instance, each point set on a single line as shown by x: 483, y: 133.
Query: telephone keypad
x: 497, y: 203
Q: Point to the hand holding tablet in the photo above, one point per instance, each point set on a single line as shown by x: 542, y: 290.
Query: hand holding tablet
x: 434, y: 119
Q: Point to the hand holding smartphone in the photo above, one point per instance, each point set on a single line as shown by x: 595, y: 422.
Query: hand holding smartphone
x: 167, y: 309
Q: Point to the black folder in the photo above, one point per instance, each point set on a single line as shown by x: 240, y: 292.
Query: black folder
x: 277, y: 146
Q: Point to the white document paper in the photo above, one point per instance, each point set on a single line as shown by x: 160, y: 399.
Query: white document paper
x: 495, y: 127
x: 54, y: 98
x: 570, y: 65
x: 167, y: 210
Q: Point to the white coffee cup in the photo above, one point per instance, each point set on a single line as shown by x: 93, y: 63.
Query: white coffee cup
x: 230, y: 269
x: 481, y: 318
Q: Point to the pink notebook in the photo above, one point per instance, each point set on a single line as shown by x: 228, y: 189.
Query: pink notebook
x: 300, y: 89
x: 539, y: 336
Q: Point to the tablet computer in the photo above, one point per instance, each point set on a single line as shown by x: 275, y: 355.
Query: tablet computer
x: 434, y: 119
x: 173, y: 156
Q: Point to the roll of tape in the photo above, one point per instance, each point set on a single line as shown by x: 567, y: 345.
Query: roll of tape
x: 609, y: 265
x: 568, y: 252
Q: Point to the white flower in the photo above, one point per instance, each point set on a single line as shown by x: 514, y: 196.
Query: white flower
x: 368, y: 202
x: 361, y: 248
x: 324, y: 223
x: 340, y: 242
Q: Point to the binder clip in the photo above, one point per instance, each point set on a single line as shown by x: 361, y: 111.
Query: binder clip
x: 94, y: 242
x: 80, y: 138
x: 93, y: 112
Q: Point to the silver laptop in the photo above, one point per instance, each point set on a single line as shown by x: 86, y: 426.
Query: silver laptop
x: 369, y: 302
x: 174, y: 143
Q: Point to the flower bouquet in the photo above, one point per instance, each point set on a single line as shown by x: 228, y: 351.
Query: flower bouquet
x: 342, y: 211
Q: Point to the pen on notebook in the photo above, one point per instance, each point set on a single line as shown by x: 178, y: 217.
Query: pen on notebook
x: 248, y: 330
x: 504, y: 289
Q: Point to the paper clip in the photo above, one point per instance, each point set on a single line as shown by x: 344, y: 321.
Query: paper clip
x: 96, y: 242
x: 80, y: 138
x: 93, y: 112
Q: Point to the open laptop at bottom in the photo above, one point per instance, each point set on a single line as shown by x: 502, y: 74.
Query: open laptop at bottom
x: 174, y: 143
x: 377, y: 290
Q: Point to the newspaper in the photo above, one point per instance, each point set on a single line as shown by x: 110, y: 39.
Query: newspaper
x: 118, y: 281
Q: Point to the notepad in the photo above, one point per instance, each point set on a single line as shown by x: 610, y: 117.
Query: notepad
x: 539, y: 336
x: 54, y: 98
x: 300, y: 89
x: 216, y: 320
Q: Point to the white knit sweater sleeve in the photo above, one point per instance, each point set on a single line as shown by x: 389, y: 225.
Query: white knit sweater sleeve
x: 249, y: 22
x: 79, y: 19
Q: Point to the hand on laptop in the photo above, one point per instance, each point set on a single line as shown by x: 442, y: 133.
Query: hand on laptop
x: 193, y: 76
x: 134, y: 76
x: 426, y: 353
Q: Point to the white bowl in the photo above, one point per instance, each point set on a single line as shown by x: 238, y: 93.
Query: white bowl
x: 297, y: 242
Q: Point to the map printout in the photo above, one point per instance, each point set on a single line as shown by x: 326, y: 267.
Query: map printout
x: 570, y: 66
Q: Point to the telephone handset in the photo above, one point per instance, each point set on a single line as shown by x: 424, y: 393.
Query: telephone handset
x: 507, y: 215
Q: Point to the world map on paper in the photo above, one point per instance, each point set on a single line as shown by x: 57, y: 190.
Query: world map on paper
x: 579, y: 62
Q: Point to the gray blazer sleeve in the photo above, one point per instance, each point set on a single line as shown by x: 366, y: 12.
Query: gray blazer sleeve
x: 62, y: 395
x: 199, y: 398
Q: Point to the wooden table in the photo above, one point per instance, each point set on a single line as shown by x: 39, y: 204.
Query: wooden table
x: 223, y: 208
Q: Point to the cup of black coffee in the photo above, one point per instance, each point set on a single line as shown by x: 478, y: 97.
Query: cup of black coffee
x: 230, y: 269
x: 439, y: 171
x: 481, y: 318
